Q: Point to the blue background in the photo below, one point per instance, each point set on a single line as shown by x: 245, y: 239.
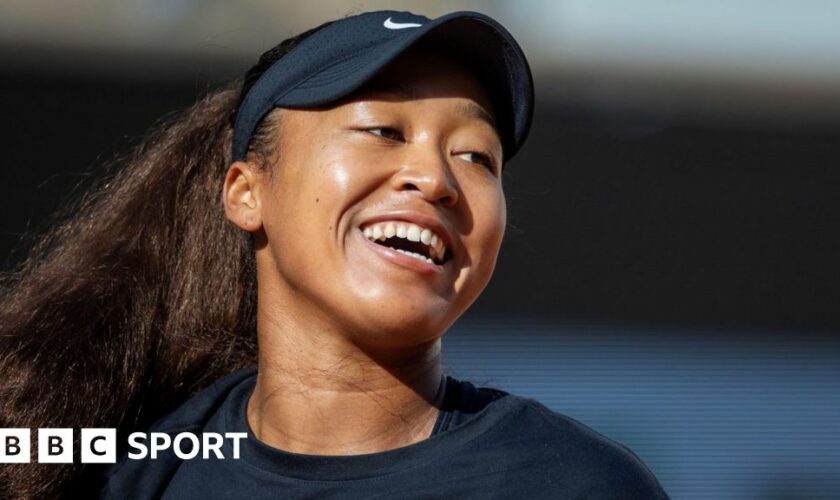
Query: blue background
x: 715, y: 413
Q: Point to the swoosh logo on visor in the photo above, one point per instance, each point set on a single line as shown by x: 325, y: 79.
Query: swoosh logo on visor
x: 391, y: 25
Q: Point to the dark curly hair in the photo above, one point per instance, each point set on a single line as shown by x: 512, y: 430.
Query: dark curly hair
x: 140, y: 298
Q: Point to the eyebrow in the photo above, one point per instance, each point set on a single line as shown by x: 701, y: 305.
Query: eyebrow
x: 469, y: 109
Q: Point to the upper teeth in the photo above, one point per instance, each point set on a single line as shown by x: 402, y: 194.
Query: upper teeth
x: 412, y: 232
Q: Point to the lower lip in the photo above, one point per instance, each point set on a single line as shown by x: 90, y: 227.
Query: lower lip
x: 402, y: 259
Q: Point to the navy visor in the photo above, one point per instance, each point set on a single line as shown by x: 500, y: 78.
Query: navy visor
x: 339, y: 58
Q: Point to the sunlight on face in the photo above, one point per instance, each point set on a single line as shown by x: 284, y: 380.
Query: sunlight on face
x: 385, y: 212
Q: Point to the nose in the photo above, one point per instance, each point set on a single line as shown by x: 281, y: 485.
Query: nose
x: 426, y: 170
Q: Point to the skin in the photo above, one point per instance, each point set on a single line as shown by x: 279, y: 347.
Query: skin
x: 349, y: 358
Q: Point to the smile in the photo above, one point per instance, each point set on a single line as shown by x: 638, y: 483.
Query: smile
x: 410, y: 239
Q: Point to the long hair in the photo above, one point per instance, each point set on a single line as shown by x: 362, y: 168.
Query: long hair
x: 139, y: 299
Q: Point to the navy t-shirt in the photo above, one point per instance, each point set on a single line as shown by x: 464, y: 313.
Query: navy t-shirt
x: 486, y: 443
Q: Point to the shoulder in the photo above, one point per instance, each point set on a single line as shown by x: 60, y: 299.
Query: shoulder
x: 570, y: 453
x: 197, y: 411
x: 143, y: 478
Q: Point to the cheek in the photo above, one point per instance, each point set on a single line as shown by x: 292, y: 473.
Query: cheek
x: 497, y: 232
x: 334, y: 174
x: 310, y: 203
x: 490, y: 215
x: 331, y: 178
x: 496, y: 210
x: 316, y: 193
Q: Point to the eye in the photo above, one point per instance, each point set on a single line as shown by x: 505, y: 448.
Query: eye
x: 479, y: 158
x: 389, y: 133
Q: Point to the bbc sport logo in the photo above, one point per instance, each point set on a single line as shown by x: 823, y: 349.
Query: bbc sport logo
x: 99, y: 445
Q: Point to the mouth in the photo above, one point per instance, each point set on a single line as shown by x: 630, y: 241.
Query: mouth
x: 410, y: 239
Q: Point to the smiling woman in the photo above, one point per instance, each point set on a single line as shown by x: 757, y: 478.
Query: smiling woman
x: 278, y: 266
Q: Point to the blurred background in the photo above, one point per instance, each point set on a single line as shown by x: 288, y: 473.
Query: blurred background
x: 670, y: 272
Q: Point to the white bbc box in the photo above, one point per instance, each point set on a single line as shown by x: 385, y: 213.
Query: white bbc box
x: 14, y: 446
x: 99, y: 446
x: 55, y: 446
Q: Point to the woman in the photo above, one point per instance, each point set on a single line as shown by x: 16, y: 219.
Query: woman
x: 327, y: 220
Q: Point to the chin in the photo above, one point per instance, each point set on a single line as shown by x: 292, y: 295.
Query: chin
x: 390, y: 326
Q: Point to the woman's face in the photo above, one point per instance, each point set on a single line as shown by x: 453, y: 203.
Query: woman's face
x: 414, y: 155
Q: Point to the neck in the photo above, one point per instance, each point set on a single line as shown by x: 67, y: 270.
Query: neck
x: 319, y: 393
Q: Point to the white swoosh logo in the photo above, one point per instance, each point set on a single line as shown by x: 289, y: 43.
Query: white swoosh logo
x: 398, y: 26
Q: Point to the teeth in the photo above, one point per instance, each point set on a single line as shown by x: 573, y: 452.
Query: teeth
x: 415, y: 255
x: 426, y: 236
x: 390, y: 230
x: 412, y: 232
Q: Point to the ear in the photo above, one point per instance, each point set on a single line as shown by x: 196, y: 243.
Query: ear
x: 241, y: 196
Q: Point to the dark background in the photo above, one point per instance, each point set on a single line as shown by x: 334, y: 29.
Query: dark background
x: 614, y: 214
x: 669, y: 275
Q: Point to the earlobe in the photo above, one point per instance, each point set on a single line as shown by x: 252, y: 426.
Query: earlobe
x: 241, y: 198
